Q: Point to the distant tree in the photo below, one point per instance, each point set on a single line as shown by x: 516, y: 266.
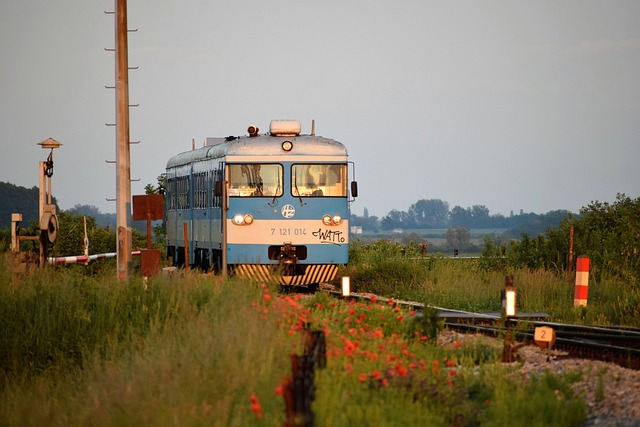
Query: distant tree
x: 609, y: 234
x: 480, y: 216
x: 459, y: 238
x: 159, y: 229
x: 395, y: 219
x: 160, y: 186
x: 432, y: 213
x: 101, y: 219
x: 16, y: 199
x: 367, y: 222
x: 71, y: 235
x: 459, y: 217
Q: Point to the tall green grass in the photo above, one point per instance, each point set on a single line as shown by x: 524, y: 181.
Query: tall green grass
x: 194, y: 350
x: 399, y: 271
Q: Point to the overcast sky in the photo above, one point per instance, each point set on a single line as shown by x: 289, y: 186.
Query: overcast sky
x: 509, y: 104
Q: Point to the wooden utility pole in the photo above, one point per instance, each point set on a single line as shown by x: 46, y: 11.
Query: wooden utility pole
x: 570, y: 251
x: 123, y: 158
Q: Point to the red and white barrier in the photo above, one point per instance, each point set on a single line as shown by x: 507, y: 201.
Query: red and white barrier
x: 582, y: 282
x: 84, y: 258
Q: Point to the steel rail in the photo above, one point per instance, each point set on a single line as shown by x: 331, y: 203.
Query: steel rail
x: 572, y: 337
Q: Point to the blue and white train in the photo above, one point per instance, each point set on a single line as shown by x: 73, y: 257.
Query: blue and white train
x: 273, y: 207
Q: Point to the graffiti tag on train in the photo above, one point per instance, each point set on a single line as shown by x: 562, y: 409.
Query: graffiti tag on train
x: 329, y: 236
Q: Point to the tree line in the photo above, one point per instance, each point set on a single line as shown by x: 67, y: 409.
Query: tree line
x: 609, y: 234
x: 16, y: 199
x: 436, y: 214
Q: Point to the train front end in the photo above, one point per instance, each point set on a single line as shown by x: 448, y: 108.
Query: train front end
x: 287, y: 206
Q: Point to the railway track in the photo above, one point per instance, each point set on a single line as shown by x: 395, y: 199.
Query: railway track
x: 619, y: 345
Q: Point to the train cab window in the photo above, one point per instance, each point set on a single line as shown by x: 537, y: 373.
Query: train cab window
x: 319, y: 180
x: 255, y: 180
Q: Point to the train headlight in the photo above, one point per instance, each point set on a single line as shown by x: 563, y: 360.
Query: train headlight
x: 332, y: 220
x: 239, y: 219
x: 287, y: 145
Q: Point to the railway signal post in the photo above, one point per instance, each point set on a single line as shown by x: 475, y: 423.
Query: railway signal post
x: 47, y: 210
x: 508, y: 295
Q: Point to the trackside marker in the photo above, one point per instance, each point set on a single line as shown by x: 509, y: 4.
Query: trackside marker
x: 582, y: 282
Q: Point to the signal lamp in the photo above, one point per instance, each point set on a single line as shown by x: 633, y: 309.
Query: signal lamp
x: 346, y: 286
x: 509, y: 298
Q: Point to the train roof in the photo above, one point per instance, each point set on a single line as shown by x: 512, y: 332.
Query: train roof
x: 261, y: 146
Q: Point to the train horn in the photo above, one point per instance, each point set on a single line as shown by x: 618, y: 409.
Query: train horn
x: 253, y: 130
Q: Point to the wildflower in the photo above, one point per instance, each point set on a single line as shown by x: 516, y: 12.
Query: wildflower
x: 279, y: 390
x: 255, y: 406
x: 401, y: 370
x: 385, y: 383
x: 400, y: 318
x: 267, y: 297
x: 456, y: 344
x: 424, y: 338
x: 373, y: 299
x: 452, y: 372
x: 450, y: 363
x: 362, y: 378
x: 375, y: 374
x: 396, y: 309
x: 412, y: 313
x: 370, y: 355
x: 349, y: 347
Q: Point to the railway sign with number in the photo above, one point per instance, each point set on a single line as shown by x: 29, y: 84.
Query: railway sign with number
x: 544, y: 336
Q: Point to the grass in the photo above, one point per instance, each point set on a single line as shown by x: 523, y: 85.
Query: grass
x: 198, y: 350
x: 399, y: 271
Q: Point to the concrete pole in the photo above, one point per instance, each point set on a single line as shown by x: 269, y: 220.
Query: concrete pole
x: 123, y: 160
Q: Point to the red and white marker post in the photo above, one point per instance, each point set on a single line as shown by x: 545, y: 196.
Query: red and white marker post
x: 582, y: 282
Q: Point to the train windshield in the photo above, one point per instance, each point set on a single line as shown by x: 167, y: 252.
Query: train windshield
x: 319, y: 179
x: 255, y: 180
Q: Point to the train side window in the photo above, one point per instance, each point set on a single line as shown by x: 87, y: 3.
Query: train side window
x: 171, y: 193
x: 183, y: 192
